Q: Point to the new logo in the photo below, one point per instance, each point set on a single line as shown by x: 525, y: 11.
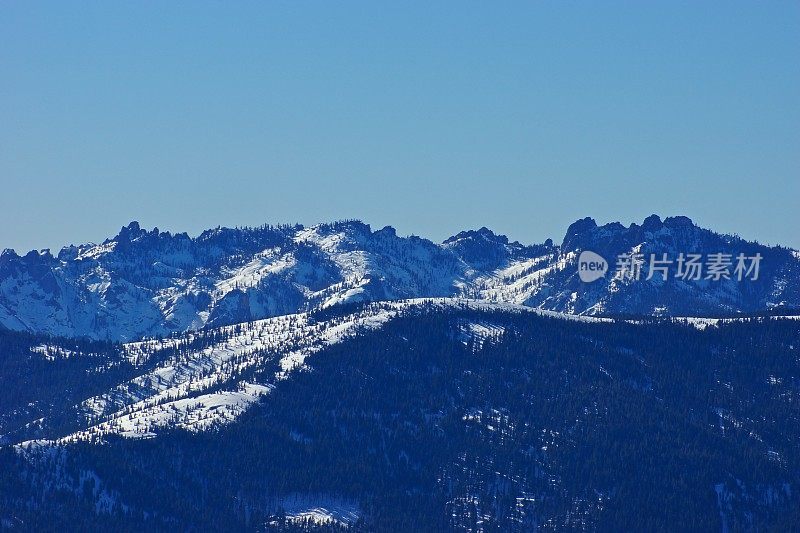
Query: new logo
x: 591, y: 266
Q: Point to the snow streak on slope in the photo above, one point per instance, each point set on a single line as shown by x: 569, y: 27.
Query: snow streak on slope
x: 52, y: 353
x: 319, y: 510
x: 478, y: 333
x: 196, y: 389
x: 197, y: 413
x: 703, y: 323
x: 521, y: 279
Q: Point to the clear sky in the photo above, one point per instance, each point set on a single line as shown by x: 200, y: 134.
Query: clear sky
x: 432, y: 117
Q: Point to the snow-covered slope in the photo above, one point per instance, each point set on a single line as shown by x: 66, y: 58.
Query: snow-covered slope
x: 151, y: 283
x: 201, y: 379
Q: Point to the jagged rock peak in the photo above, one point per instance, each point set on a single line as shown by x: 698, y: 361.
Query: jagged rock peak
x: 483, y: 233
x: 131, y: 232
x: 578, y: 229
x: 652, y: 223
x: 581, y: 231
x: 679, y: 222
x: 388, y: 231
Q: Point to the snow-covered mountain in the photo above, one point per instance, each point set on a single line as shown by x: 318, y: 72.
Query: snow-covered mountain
x: 288, y: 378
x: 150, y: 283
x: 357, y: 415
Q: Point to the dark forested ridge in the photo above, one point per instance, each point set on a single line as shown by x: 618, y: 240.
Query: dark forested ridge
x: 466, y: 420
x: 39, y: 375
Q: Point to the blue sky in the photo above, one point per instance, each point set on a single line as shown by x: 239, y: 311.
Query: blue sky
x: 432, y: 118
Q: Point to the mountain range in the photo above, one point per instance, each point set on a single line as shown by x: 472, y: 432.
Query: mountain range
x: 333, y: 378
x: 144, y: 283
